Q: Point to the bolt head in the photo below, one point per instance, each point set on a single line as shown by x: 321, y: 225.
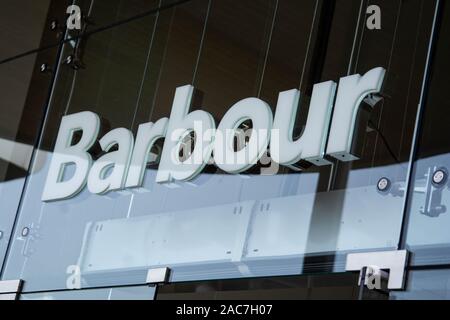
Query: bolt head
x: 383, y: 185
x: 44, y: 67
x: 25, y: 232
x: 69, y: 60
x: 53, y: 25
x: 440, y: 177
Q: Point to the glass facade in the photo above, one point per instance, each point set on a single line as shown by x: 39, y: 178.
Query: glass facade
x: 125, y: 65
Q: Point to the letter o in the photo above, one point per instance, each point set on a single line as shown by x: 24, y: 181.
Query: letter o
x: 225, y: 156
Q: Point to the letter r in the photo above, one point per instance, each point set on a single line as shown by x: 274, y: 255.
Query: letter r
x: 352, y: 91
x: 65, y: 153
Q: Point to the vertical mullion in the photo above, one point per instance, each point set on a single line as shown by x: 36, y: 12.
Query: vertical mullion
x: 409, y: 185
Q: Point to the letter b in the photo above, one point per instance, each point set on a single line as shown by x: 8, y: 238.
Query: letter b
x: 65, y: 154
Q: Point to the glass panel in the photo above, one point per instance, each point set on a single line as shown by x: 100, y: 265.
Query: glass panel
x: 429, y: 219
x: 22, y: 23
x: 101, y: 15
x: 425, y: 285
x: 24, y: 92
x: 336, y: 286
x: 353, y: 214
x: 95, y: 85
x: 15, y: 155
x: 219, y: 225
x: 121, y: 293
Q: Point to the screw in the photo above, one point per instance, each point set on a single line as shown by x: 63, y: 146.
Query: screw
x: 383, y: 185
x: 44, y: 68
x: 440, y: 177
x: 25, y: 232
x: 1, y: 235
x: 73, y: 62
x: 54, y: 25
x: 69, y: 60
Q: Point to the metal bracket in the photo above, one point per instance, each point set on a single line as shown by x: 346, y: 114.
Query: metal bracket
x: 372, y: 99
x: 433, y: 206
x: 394, y: 261
x: 11, y: 289
x: 158, y: 276
x: 435, y: 181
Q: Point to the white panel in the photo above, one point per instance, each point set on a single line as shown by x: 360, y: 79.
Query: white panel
x: 193, y: 236
x: 280, y: 227
x: 342, y: 220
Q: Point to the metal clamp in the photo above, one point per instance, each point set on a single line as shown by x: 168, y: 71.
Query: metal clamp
x: 436, y: 181
x: 11, y: 289
x: 158, y: 276
x: 394, y: 261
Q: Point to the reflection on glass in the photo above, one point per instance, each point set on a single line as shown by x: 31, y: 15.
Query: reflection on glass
x: 428, y: 210
x: 425, y: 285
x: 22, y: 23
x: 23, y: 92
x: 317, y: 287
x: 220, y: 225
x: 124, y: 293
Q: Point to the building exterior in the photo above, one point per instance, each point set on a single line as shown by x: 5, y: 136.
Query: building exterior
x: 91, y: 208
